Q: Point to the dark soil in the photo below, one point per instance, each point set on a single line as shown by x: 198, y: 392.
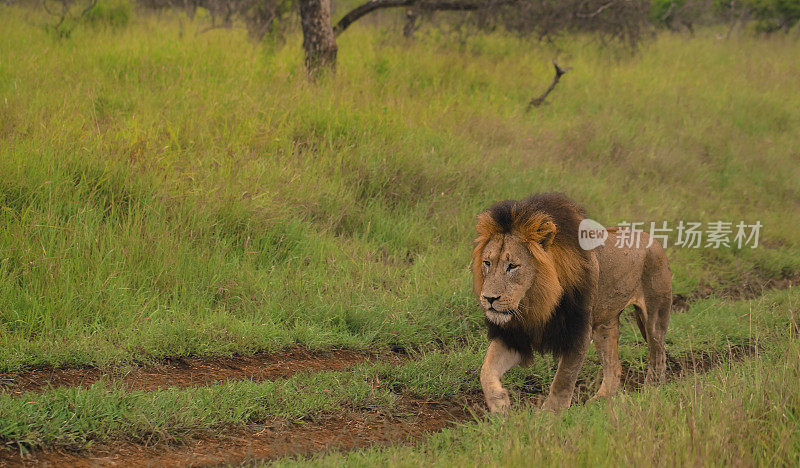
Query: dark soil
x: 633, y: 379
x: 748, y: 289
x: 193, y: 371
x: 698, y: 362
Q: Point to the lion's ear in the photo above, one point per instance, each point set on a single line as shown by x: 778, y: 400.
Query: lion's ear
x: 539, y: 229
x: 547, y: 233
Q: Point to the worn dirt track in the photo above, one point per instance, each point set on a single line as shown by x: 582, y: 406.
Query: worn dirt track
x: 193, y: 371
x: 748, y: 289
x: 408, y: 422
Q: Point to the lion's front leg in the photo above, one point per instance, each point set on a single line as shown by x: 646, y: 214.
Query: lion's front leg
x: 499, y: 359
x: 563, y: 386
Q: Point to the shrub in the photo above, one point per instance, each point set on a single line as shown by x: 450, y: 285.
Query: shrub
x: 775, y: 15
x: 109, y: 13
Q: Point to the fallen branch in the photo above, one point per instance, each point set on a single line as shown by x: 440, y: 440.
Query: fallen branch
x: 421, y: 5
x: 538, y: 101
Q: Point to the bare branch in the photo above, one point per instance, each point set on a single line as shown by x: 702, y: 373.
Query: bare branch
x: 668, y: 12
x: 598, y: 11
x: 412, y: 22
x: 367, y: 8
x: 91, y: 5
x: 61, y: 16
x: 420, y: 5
x: 46, y: 9
x: 538, y: 101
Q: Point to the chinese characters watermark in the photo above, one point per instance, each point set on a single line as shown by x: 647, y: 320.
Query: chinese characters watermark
x: 691, y: 235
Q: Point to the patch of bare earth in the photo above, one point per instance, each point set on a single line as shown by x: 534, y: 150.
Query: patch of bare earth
x: 697, y: 362
x: 408, y: 422
x: 748, y: 289
x: 193, y: 371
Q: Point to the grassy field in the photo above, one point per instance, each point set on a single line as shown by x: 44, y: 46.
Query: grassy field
x: 72, y: 417
x: 167, y: 194
x: 739, y: 415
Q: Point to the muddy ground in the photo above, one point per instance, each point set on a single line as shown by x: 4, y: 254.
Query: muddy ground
x: 185, y: 372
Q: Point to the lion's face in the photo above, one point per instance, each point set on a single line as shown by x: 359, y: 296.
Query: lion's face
x: 508, y: 273
x: 516, y: 262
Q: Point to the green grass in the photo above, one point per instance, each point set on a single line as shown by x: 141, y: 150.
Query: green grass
x: 77, y: 417
x: 167, y: 195
x: 745, y: 413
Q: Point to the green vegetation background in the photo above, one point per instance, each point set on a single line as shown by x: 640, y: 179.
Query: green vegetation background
x: 167, y: 194
x: 164, y: 193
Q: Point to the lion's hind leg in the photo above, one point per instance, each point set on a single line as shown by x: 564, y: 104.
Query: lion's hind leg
x: 657, y: 319
x: 606, y: 341
x: 657, y: 288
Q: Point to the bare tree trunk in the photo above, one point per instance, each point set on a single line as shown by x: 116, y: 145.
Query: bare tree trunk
x: 318, y: 39
x: 412, y: 23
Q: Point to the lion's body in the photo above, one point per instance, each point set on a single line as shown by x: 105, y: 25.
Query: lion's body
x: 637, y: 276
x: 542, y: 293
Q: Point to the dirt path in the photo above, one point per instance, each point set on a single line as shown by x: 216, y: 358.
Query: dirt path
x: 749, y: 289
x: 408, y: 422
x: 194, y: 371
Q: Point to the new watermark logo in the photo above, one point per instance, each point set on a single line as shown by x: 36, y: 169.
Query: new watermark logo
x: 690, y: 235
x: 591, y: 234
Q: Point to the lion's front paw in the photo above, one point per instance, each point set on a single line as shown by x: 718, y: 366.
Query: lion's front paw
x: 498, y: 402
x: 602, y: 393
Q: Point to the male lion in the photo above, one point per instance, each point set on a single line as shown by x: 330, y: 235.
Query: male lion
x: 542, y: 293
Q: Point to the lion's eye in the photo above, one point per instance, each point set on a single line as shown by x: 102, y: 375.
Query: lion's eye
x: 486, y: 263
x: 512, y: 266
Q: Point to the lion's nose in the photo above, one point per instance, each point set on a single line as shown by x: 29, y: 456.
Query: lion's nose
x: 491, y: 299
